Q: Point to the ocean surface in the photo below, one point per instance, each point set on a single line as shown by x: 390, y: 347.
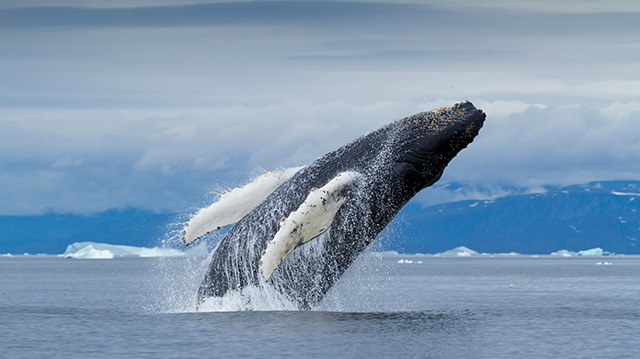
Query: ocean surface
x: 385, y: 306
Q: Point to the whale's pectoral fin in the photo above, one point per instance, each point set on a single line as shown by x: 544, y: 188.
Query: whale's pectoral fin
x: 234, y: 205
x: 311, y: 219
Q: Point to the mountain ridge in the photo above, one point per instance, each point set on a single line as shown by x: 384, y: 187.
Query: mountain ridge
x: 602, y: 214
x: 597, y: 214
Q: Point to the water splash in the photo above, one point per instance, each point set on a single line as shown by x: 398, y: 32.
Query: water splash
x: 365, y: 287
x: 174, y: 281
x: 250, y: 298
x: 181, y: 278
x: 232, y: 281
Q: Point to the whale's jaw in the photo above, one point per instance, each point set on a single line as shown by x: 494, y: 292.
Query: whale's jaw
x: 434, y: 138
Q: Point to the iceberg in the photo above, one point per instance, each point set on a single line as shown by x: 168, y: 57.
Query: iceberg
x: 408, y: 261
x: 458, y: 252
x: 564, y: 253
x: 91, y: 250
x: 593, y: 252
x: 585, y: 253
x: 503, y: 254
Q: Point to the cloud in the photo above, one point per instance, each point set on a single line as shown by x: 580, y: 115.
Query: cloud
x: 256, y: 53
x: 504, y: 109
x: 67, y: 162
x: 152, y: 104
x: 94, y: 160
x: 265, y: 13
x: 91, y: 160
x: 619, y: 111
x: 526, y: 147
x: 552, y: 145
x: 550, y: 6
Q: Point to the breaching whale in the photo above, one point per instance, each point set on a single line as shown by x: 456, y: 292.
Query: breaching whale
x: 338, y: 205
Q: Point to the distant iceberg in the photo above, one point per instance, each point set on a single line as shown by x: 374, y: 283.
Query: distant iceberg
x: 458, y: 252
x: 88, y: 252
x: 91, y: 250
x: 593, y: 252
x: 564, y: 253
x: 408, y: 261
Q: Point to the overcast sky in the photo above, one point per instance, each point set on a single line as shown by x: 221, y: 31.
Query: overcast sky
x: 157, y: 104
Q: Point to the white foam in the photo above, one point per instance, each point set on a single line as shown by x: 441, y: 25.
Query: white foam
x: 159, y: 252
x: 383, y: 253
x: 235, y: 204
x: 249, y: 298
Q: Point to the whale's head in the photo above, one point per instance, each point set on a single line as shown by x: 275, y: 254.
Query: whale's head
x: 430, y: 140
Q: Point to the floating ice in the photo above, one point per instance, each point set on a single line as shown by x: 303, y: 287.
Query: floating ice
x: 458, y: 252
x: 408, y: 261
x: 564, y: 253
x: 593, y: 252
x: 91, y: 250
x: 503, y: 254
x: 585, y: 253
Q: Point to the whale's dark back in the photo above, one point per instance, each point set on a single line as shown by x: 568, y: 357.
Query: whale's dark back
x: 396, y: 161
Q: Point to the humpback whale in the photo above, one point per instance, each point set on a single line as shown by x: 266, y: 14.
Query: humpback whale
x: 297, y: 231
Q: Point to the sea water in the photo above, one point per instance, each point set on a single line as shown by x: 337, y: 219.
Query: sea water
x: 384, y: 306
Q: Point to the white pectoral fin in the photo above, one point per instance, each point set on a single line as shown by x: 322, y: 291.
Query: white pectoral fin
x: 311, y: 219
x: 233, y: 205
